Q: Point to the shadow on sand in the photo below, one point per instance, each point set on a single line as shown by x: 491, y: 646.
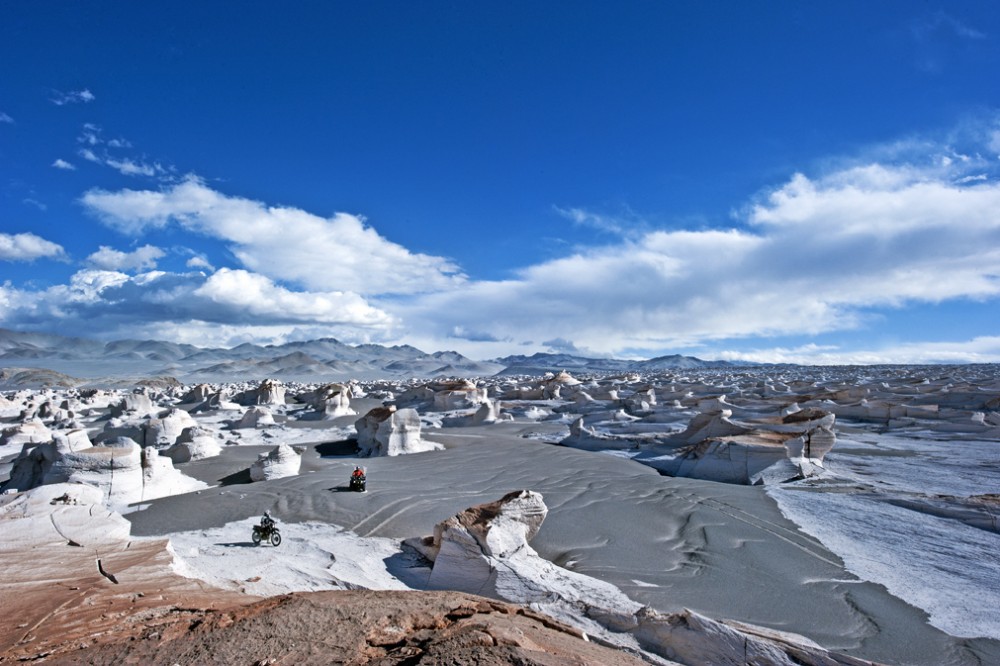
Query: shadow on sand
x: 410, y: 568
x: 242, y: 476
x: 342, y: 449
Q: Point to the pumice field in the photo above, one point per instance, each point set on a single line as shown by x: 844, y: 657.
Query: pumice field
x: 783, y: 515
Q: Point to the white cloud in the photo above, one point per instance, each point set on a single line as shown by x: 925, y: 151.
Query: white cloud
x: 143, y: 258
x: 200, y: 261
x: 157, y: 300
x: 124, y: 166
x: 4, y: 118
x: 72, y: 97
x: 64, y: 165
x: 95, y: 150
x: 289, y: 244
x: 817, y: 255
x: 28, y: 247
x: 916, y: 223
x: 256, y: 296
x: 608, y: 223
x: 128, y: 167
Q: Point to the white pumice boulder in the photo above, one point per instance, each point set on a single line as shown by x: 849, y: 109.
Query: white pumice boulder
x: 32, y: 431
x: 134, y: 405
x: 711, y: 425
x: 194, y: 444
x: 459, y: 394
x: 386, y: 431
x: 269, y: 392
x: 164, y: 431
x: 256, y: 417
x: 280, y: 462
x: 337, y: 405
x: 199, y: 393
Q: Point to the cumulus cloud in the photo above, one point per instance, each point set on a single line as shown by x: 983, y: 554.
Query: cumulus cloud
x: 152, y: 300
x: 288, y: 244
x: 814, y: 255
x: 109, y: 259
x: 64, y: 165
x: 915, y: 222
x: 200, y: 261
x: 28, y: 247
x: 73, y: 97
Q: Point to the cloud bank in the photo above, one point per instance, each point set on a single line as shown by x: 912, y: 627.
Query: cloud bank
x: 812, y: 256
x: 162, y: 301
x: 917, y: 222
x: 282, y: 243
x: 109, y: 259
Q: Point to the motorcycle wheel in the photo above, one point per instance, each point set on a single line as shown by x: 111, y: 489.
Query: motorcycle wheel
x: 275, y: 539
x: 256, y: 537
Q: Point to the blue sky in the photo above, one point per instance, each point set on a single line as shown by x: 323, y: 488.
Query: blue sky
x: 782, y: 181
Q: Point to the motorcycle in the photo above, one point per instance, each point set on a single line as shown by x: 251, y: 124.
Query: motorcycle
x: 358, y: 483
x: 266, y: 533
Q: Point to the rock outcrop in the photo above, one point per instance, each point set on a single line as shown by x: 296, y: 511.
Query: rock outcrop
x: 121, y: 470
x: 270, y: 392
x: 194, y: 444
x: 485, y: 549
x: 256, y: 417
x: 386, y: 431
x: 281, y: 461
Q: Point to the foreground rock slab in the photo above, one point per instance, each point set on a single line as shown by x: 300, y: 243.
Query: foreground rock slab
x: 485, y: 549
x: 353, y: 627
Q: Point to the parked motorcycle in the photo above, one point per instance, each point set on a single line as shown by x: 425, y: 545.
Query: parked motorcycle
x: 266, y: 533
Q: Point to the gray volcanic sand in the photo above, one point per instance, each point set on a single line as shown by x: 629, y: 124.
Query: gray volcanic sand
x: 722, y: 550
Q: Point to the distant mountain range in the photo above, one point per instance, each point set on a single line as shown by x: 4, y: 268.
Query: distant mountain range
x: 325, y: 359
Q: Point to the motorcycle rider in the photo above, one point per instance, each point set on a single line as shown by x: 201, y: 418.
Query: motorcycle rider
x: 266, y: 521
x: 358, y: 473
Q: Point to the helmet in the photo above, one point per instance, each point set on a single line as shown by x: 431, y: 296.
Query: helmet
x: 267, y: 514
x: 356, y: 468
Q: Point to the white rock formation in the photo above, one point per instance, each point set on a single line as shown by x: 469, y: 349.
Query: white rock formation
x: 281, y: 461
x: 194, y: 444
x: 199, y: 393
x: 32, y: 431
x: 712, y: 425
x: 485, y: 550
x: 133, y: 404
x: 488, y: 412
x: 337, y: 405
x: 461, y: 394
x: 270, y: 392
x: 386, y: 431
x: 57, y: 515
x: 256, y: 417
x: 164, y: 431
x: 124, y: 472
